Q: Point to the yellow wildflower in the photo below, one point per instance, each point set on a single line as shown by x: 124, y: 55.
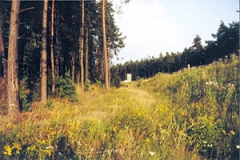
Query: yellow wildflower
x: 181, y: 132
x: 31, y: 148
x: 114, y: 129
x: 8, y: 150
x: 224, y: 132
x: 9, y: 125
x: 53, y: 133
x: 17, y: 147
x: 232, y: 132
x: 147, y: 140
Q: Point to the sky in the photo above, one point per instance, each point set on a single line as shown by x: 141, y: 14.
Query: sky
x: 159, y: 26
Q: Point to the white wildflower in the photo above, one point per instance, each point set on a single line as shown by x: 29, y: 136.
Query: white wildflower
x: 151, y: 153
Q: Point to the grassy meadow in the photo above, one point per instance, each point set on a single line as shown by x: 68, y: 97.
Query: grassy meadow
x: 190, y: 115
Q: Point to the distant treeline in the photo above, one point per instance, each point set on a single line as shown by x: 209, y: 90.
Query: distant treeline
x: 226, y: 43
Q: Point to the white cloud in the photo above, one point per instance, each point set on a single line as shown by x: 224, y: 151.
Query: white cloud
x: 147, y: 29
x: 154, y: 26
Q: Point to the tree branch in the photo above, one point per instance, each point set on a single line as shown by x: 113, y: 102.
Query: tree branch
x: 26, y: 9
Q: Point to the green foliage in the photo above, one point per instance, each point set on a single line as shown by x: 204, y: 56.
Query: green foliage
x: 87, y: 84
x: 99, y: 83
x: 226, y: 43
x: 49, y: 103
x: 116, y: 82
x: 190, y: 115
x: 24, y: 96
x: 66, y: 88
x: 207, y: 98
x: 139, y: 81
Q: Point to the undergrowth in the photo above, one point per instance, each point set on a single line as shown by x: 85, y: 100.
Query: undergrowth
x: 187, y: 115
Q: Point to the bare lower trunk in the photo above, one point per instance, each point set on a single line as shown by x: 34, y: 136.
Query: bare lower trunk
x: 73, y: 67
x: 3, y: 61
x: 105, y: 45
x: 86, y: 56
x: 109, y: 73
x: 44, y: 54
x: 81, y: 41
x: 58, y: 44
x: 12, y: 78
x: 52, y: 51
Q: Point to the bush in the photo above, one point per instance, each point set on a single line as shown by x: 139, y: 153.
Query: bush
x: 116, y: 82
x: 99, y: 83
x: 87, y: 85
x: 24, y: 96
x: 66, y: 88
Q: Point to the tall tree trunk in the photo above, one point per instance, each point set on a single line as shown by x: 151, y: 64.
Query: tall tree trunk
x: 3, y: 62
x: 52, y: 45
x: 109, y: 72
x: 81, y: 41
x: 44, y: 54
x: 58, y: 44
x: 73, y: 67
x: 12, y: 77
x: 105, y: 45
x: 86, y: 56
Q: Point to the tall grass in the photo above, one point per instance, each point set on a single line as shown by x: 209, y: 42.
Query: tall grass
x: 189, y: 115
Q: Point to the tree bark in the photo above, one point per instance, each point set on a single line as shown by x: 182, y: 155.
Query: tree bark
x: 52, y: 51
x: 105, y: 45
x: 12, y: 77
x: 44, y: 54
x: 109, y: 72
x: 73, y: 67
x: 58, y: 44
x: 86, y: 56
x: 3, y: 61
x: 81, y: 41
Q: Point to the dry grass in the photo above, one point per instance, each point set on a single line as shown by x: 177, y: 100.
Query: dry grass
x: 146, y: 120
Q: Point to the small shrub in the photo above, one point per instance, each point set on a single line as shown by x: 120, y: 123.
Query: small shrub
x: 49, y: 103
x: 66, y: 88
x: 87, y: 85
x: 116, y: 82
x: 138, y: 81
x: 99, y: 83
x: 24, y: 96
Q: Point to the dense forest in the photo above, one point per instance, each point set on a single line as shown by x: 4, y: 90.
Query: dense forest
x: 55, y: 40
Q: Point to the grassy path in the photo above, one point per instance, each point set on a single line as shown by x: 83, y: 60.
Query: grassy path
x: 141, y: 96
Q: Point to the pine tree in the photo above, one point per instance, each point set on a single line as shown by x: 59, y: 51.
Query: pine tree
x: 44, y: 54
x: 12, y: 74
x: 105, y: 46
x: 52, y: 46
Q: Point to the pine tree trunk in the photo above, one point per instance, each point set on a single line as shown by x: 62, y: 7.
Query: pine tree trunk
x: 86, y: 56
x: 105, y: 45
x: 81, y: 41
x: 58, y: 44
x: 3, y: 61
x: 52, y: 51
x: 73, y: 67
x: 109, y: 72
x: 44, y: 54
x: 12, y: 77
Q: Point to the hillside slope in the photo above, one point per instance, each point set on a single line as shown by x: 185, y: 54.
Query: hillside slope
x: 188, y: 115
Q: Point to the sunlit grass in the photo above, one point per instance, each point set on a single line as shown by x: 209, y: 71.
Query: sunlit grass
x: 187, y: 115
